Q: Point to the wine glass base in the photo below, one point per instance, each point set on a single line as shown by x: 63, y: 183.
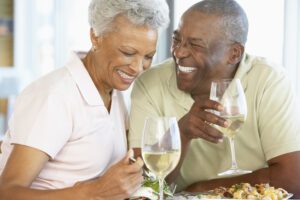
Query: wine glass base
x: 234, y: 172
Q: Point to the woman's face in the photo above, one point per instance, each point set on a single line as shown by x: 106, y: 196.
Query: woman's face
x: 122, y: 54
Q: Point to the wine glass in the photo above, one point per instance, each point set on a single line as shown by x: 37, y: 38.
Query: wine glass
x: 161, y: 147
x: 230, y: 93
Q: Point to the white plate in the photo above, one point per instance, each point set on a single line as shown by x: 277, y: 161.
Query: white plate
x: 289, y: 196
x: 190, y: 196
x: 144, y: 192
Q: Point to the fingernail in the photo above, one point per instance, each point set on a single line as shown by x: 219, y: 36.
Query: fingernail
x: 220, y: 140
x: 131, y: 153
x: 132, y: 160
x: 140, y: 162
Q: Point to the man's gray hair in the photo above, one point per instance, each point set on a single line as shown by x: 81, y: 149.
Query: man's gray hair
x: 234, y: 22
x: 151, y: 13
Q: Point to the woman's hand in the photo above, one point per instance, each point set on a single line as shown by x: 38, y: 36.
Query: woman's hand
x: 119, y: 182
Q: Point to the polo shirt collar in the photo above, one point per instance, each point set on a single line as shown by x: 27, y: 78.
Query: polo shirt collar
x: 243, y: 69
x: 83, y: 81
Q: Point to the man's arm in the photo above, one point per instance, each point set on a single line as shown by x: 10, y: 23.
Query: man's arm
x: 283, y: 172
x: 184, y: 148
x: 196, y: 124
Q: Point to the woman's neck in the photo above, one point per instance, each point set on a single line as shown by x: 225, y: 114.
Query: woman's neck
x: 104, y: 91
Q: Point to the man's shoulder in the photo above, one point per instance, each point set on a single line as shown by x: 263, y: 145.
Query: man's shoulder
x: 167, y: 64
x: 161, y: 71
x: 261, y: 64
x: 260, y: 68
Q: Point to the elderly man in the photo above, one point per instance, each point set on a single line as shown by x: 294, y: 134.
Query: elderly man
x: 209, y: 44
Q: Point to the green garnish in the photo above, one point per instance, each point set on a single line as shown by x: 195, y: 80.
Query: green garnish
x: 153, y: 183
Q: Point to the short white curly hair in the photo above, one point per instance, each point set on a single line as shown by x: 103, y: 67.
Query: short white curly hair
x: 151, y: 13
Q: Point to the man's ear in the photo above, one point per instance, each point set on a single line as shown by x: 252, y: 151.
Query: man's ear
x: 236, y: 53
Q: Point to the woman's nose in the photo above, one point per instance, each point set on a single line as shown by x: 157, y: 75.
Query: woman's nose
x: 137, y: 66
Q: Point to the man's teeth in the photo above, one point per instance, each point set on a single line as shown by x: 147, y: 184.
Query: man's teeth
x: 186, y: 69
x: 124, y: 75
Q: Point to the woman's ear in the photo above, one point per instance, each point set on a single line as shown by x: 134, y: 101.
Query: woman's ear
x: 236, y: 53
x: 96, y: 40
x: 93, y: 37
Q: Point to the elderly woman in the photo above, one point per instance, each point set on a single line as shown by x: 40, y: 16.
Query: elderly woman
x: 67, y: 136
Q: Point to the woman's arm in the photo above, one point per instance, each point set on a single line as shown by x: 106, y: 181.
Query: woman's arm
x: 25, y: 163
x: 22, y: 167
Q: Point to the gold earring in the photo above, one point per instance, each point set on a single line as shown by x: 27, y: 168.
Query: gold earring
x: 94, y: 48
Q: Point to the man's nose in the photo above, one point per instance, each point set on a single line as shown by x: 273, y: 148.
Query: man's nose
x: 181, y: 50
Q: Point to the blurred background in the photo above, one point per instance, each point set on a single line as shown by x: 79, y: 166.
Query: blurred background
x: 36, y: 36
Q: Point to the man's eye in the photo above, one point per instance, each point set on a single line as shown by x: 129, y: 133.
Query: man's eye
x: 149, y: 57
x: 196, y: 45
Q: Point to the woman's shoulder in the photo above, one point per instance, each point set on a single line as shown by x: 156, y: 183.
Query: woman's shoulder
x: 56, y: 81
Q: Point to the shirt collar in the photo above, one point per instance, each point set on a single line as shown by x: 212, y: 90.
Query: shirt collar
x: 83, y: 81
x: 243, y: 69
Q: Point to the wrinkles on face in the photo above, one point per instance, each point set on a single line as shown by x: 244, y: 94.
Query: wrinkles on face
x: 199, y: 44
x: 122, y: 54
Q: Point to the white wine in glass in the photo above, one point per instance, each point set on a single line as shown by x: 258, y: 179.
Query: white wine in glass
x: 230, y: 93
x: 235, y: 123
x: 161, y: 147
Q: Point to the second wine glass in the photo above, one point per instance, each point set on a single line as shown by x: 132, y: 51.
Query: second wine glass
x: 230, y: 93
x: 161, y: 147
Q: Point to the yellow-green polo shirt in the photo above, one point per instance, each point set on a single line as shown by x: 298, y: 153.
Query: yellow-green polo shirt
x: 271, y: 128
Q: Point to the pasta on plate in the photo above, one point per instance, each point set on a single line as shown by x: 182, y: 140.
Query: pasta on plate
x: 240, y: 191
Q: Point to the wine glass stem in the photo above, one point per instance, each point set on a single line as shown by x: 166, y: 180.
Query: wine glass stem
x: 161, y: 188
x: 232, y: 150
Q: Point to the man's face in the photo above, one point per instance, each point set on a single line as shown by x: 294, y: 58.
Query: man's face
x: 199, y: 51
x: 123, y: 53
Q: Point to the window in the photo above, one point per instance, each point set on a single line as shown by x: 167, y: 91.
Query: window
x: 291, y: 50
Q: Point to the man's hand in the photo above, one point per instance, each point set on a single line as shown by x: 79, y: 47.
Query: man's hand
x: 196, y: 123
